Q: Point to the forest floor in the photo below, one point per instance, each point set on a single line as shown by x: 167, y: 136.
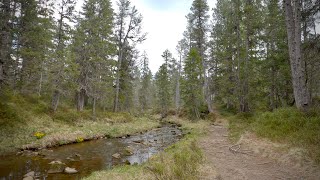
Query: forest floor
x: 251, y: 157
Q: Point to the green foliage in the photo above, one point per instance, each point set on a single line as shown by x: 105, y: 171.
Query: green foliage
x: 8, y: 115
x: 245, y: 73
x: 144, y: 91
x: 191, y: 86
x: 163, y: 84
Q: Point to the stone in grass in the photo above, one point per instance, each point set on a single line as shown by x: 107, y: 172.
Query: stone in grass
x: 56, y: 167
x: 127, y: 162
x: 70, y: 170
x: 31, y: 174
x: 75, y: 157
x: 116, y: 155
x: 128, y: 151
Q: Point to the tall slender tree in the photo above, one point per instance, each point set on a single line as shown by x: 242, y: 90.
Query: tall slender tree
x: 192, y: 93
x: 62, y: 37
x: 198, y: 20
x: 128, y: 33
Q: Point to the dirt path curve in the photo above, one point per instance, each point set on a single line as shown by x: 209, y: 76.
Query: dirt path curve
x: 222, y: 163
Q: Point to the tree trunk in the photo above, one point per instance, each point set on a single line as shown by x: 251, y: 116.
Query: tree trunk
x: 177, y: 98
x: 94, y: 107
x: 80, y: 99
x: 55, y: 100
x: 207, y: 93
x: 40, y: 83
x: 239, y: 81
x: 116, y: 99
x: 293, y: 23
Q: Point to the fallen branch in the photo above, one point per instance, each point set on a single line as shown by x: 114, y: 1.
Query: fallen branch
x: 236, y: 149
x: 264, y: 163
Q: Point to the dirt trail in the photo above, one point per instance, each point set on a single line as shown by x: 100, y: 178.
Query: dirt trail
x: 245, y: 162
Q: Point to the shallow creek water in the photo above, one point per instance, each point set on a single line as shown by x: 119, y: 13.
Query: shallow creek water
x: 92, y: 156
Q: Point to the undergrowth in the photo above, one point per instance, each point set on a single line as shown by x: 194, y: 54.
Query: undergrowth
x: 23, y: 116
x: 286, y: 125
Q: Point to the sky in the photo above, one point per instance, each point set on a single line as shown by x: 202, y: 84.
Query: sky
x: 165, y: 22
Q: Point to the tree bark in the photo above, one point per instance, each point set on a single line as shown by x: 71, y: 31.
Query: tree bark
x: 293, y: 22
x: 177, y: 98
x: 239, y: 61
x: 80, y: 99
x: 55, y: 100
x: 94, y: 107
x: 116, y: 99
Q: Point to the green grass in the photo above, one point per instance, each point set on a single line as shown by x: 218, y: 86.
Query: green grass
x: 180, y: 161
x: 21, y: 117
x: 285, y: 125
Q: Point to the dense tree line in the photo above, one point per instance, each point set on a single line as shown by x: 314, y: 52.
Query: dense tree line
x: 88, y: 57
x: 252, y: 55
x: 247, y: 55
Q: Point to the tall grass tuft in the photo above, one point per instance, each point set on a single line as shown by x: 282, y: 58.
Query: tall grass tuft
x: 181, y: 162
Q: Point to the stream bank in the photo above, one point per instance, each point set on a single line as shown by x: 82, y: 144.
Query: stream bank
x: 91, y: 156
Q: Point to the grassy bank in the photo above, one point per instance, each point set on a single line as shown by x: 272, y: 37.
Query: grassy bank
x: 179, y: 161
x: 23, y: 122
x: 285, y: 125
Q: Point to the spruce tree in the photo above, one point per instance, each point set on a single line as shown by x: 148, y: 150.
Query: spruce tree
x: 198, y: 28
x: 93, y: 48
x: 163, y: 86
x: 192, y: 93
x: 59, y: 63
x: 35, y: 41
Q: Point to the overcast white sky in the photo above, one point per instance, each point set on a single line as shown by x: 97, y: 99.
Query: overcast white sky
x: 164, y: 21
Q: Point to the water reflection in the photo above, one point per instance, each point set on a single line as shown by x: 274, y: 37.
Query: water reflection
x: 91, y: 156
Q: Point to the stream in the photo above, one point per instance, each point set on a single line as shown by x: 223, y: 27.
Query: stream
x: 90, y: 156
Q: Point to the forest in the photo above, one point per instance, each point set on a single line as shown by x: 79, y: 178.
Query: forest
x: 70, y: 76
